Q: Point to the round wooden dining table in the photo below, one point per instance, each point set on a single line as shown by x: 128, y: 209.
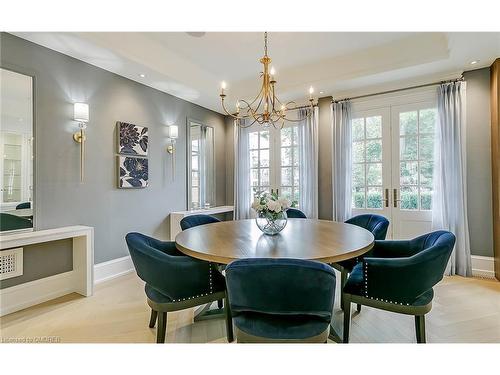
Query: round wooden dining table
x: 310, y: 239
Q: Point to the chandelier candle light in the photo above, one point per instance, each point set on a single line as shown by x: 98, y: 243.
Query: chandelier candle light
x: 266, y: 109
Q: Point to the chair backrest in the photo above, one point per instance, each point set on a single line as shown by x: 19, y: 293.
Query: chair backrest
x: 24, y: 205
x: 290, y: 287
x: 437, y: 247
x: 13, y: 222
x: 195, y: 220
x: 295, y: 213
x: 376, y: 224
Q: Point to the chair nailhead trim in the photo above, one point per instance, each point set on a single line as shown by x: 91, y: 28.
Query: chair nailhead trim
x: 365, y: 269
x: 200, y: 295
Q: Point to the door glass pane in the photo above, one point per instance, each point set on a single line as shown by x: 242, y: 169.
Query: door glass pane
x: 286, y: 156
x: 358, y: 149
x: 286, y: 192
x: 408, y: 148
x: 358, y: 197
x: 286, y: 176
x: 426, y: 143
x: 374, y: 197
x: 409, y: 197
x: 374, y: 127
x: 286, y: 136
x: 426, y: 171
x: 254, y: 159
x: 427, y: 120
x: 358, y: 175
x: 409, y: 173
x: 425, y: 198
x: 358, y: 129
x: 264, y: 139
x: 374, y: 174
x: 254, y: 140
x: 374, y: 150
x: 408, y: 123
x: 264, y: 176
x: 264, y: 158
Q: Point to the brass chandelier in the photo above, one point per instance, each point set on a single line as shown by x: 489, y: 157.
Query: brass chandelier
x: 266, y: 109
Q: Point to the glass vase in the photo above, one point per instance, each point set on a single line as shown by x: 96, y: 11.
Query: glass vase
x: 271, y: 223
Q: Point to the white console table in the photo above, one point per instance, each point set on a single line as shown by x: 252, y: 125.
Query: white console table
x: 79, y: 279
x: 176, y: 217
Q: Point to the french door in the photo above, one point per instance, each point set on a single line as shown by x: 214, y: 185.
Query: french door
x: 392, y: 170
x: 274, y: 161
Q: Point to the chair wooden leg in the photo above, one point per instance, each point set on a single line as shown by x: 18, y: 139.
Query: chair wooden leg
x: 343, y: 280
x: 161, y: 330
x: 347, y: 319
x: 420, y: 328
x: 219, y: 304
x: 229, y: 321
x: 358, y: 308
x: 152, y: 320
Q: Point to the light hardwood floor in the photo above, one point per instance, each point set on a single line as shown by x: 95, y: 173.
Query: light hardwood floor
x: 465, y: 310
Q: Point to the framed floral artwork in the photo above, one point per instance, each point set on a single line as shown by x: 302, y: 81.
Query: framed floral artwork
x: 133, y: 173
x: 132, y: 139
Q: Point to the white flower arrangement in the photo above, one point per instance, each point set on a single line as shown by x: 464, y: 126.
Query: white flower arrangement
x: 270, y: 203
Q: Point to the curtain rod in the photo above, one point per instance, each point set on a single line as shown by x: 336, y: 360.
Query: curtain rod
x: 403, y: 89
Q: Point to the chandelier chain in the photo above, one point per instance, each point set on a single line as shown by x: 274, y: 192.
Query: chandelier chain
x: 265, y: 43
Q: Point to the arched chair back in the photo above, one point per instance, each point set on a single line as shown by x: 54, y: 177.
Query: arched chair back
x: 376, y: 224
x: 275, y: 300
x: 195, y: 220
x: 295, y: 213
x: 23, y: 206
x: 13, y: 222
x: 173, y: 280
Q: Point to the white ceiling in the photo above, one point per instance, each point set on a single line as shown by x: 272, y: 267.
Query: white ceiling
x: 338, y: 64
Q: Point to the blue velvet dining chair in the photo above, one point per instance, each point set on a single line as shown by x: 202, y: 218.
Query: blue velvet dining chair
x: 195, y: 220
x: 280, y: 300
x: 295, y: 213
x: 174, y: 281
x: 13, y: 222
x: 377, y: 225
x: 398, y: 276
x: 23, y: 206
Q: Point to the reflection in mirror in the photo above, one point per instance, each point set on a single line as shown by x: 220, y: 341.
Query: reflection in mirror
x: 16, y: 149
x: 201, y: 180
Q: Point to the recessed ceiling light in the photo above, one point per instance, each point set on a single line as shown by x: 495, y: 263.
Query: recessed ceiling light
x: 196, y: 34
x: 321, y: 92
x: 474, y: 62
x: 142, y: 75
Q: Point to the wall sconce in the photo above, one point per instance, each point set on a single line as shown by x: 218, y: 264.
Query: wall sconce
x: 173, y: 134
x: 81, y: 115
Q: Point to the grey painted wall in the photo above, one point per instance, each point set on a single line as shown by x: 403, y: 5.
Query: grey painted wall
x: 479, y: 199
x: 43, y: 260
x: 60, y: 198
x: 478, y: 161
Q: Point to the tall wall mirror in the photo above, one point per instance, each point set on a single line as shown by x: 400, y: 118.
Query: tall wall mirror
x: 201, y: 165
x: 16, y: 150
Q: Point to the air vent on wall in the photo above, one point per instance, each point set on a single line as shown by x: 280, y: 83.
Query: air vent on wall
x: 11, y: 263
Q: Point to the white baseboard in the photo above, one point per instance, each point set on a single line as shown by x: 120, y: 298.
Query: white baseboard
x: 483, y: 267
x: 21, y: 296
x: 113, y: 268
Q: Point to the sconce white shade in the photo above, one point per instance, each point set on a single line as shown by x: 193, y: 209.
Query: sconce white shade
x: 173, y: 132
x: 81, y: 112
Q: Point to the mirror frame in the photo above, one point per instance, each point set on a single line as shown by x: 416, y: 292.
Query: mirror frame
x: 32, y: 74
x: 190, y: 120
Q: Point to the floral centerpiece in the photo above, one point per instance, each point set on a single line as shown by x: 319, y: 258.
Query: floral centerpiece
x: 271, y: 212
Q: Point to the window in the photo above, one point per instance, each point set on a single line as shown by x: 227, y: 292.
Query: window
x: 416, y: 148
x: 367, y: 190
x: 274, y: 161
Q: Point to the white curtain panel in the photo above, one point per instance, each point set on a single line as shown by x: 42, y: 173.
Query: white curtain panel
x: 242, y: 185
x: 342, y: 160
x: 308, y: 162
x: 449, y: 206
